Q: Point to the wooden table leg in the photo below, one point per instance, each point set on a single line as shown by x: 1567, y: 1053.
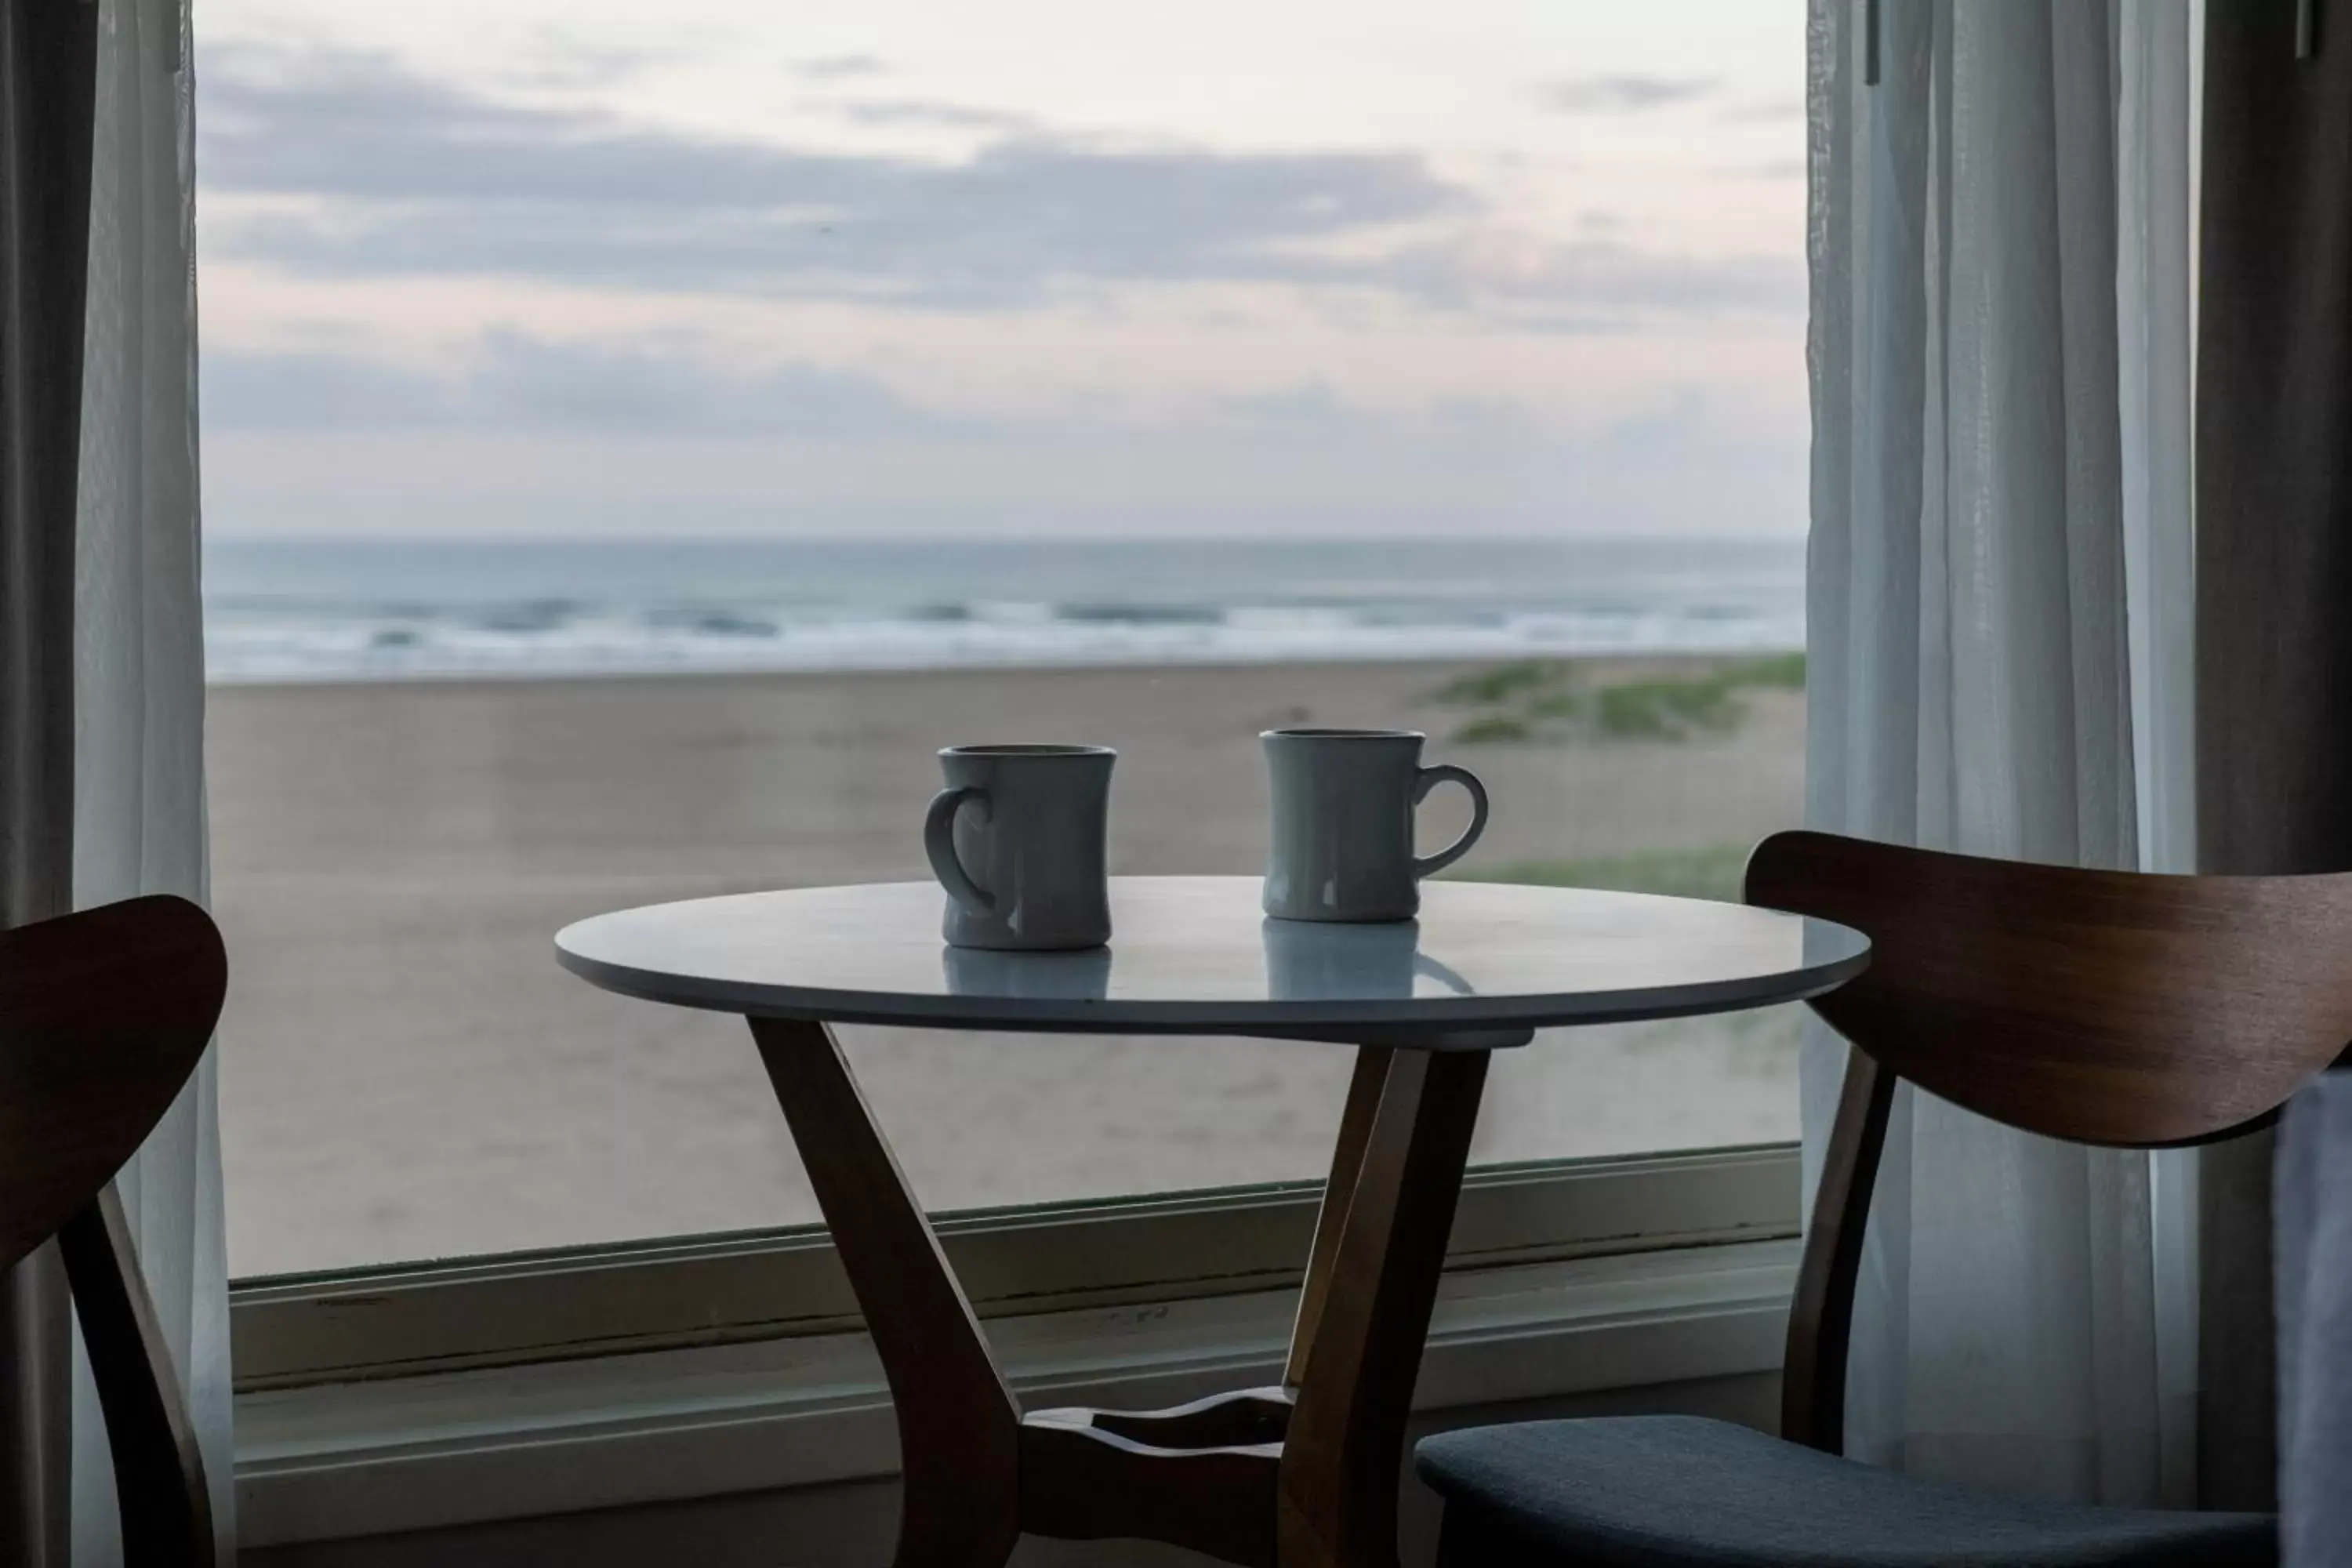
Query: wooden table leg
x: 958, y: 1429
x: 1337, y: 1492
x: 1347, y: 1159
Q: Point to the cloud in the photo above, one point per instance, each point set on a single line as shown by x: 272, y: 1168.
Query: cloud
x: 838, y: 67
x: 394, y: 173
x: 1621, y: 94
x: 347, y: 165
x: 561, y: 59
x: 1315, y: 412
x: 1294, y: 459
x: 1309, y: 407
x: 953, y: 116
x: 1763, y: 113
x: 316, y: 391
x: 1592, y: 284
x: 515, y: 381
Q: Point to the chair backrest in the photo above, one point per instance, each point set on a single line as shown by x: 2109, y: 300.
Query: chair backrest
x: 2108, y: 1007
x: 103, y: 1017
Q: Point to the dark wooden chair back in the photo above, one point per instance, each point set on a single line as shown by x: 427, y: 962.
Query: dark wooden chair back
x: 103, y: 1017
x: 2108, y: 1007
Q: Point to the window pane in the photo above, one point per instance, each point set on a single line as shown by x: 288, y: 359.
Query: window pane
x: 633, y: 447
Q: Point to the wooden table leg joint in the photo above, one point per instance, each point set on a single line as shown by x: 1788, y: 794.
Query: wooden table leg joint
x: 1300, y: 1476
x: 1238, y: 1419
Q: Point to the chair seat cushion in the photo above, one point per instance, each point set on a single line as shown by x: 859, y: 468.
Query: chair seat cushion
x: 1677, y: 1489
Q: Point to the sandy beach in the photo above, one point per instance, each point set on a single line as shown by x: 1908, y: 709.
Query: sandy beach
x: 407, y: 1074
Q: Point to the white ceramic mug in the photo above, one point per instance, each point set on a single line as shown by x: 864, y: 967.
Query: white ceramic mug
x: 1342, y: 821
x: 1018, y: 838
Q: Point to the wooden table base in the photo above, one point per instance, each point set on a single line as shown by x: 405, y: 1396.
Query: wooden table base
x: 1301, y: 1476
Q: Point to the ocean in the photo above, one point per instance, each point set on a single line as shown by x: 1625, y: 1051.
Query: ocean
x: 381, y: 609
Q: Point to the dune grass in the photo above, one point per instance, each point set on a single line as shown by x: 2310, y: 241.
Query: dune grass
x: 1551, y: 700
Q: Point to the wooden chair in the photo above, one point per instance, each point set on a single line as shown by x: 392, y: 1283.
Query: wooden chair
x: 2102, y: 1007
x: 103, y: 1015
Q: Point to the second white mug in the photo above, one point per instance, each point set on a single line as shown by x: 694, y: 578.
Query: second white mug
x: 1342, y: 823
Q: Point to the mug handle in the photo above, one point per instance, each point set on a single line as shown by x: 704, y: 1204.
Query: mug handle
x: 1429, y: 779
x: 938, y: 843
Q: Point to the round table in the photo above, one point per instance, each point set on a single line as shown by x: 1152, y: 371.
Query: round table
x: 1303, y: 1473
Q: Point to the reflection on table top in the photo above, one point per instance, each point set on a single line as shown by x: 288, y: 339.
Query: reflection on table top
x: 1194, y: 955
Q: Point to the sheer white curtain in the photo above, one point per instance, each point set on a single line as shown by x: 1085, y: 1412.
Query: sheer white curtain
x: 139, y: 685
x: 1999, y: 354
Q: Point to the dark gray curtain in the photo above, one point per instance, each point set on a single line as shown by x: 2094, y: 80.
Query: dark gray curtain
x: 47, y: 68
x: 2273, y: 592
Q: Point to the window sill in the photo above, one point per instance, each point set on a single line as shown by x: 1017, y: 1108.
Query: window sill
x: 331, y: 1461
x: 687, y: 1293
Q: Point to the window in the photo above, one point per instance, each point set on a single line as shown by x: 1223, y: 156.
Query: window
x: 634, y: 444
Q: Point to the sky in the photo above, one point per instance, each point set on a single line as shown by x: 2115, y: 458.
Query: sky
x: 1036, y: 267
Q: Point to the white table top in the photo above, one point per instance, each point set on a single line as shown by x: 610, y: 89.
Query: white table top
x: 1485, y: 961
